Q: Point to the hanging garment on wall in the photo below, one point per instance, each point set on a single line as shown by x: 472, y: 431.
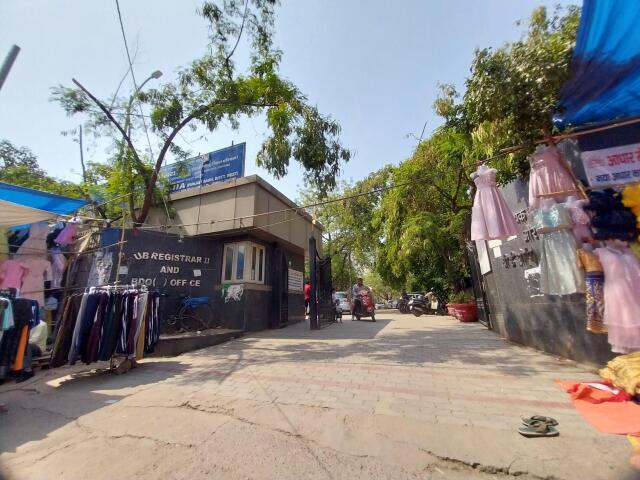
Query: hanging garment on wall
x: 36, y: 244
x: 491, y: 217
x: 621, y: 297
x: 38, y: 271
x: 65, y: 237
x: 58, y: 267
x: 549, y: 178
x: 12, y: 272
x: 611, y: 219
x: 594, y: 290
x: 14, y: 340
x: 581, y: 221
x: 559, y: 272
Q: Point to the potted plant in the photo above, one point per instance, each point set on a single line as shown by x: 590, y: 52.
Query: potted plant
x: 464, y: 307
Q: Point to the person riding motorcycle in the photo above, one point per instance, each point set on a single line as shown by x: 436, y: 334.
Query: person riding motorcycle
x: 355, y: 295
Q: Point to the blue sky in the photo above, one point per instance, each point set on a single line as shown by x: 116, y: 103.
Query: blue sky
x: 372, y: 65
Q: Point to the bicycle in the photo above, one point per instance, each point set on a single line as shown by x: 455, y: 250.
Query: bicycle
x: 194, y: 313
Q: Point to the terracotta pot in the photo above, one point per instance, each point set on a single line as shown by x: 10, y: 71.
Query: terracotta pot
x: 466, y: 312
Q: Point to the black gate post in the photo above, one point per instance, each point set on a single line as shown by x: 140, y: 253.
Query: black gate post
x: 313, y: 303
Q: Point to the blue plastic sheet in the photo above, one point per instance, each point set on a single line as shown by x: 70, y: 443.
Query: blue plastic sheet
x: 29, y: 197
x: 605, y: 68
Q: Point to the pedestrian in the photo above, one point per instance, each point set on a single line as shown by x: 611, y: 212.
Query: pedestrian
x: 307, y: 297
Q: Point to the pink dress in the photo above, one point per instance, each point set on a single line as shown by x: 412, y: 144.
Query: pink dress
x: 580, y: 219
x: 11, y: 274
x: 36, y: 244
x: 39, y: 270
x: 621, y: 298
x: 491, y: 217
x: 65, y: 237
x: 548, y: 175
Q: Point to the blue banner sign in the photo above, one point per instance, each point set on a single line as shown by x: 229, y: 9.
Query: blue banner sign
x: 203, y: 170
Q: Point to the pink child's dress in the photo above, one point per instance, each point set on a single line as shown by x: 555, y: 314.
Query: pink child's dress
x: 547, y: 176
x: 491, y: 217
x: 621, y: 298
x: 580, y: 219
x: 11, y: 274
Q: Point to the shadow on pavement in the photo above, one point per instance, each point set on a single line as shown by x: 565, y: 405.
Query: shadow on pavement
x: 39, y: 408
x: 440, y: 342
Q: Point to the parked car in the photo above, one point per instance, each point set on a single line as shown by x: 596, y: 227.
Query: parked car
x: 344, y: 302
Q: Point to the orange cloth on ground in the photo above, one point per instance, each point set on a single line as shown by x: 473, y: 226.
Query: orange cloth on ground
x: 608, y: 417
x: 22, y: 346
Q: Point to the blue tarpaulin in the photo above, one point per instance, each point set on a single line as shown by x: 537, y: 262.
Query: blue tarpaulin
x: 605, y: 68
x: 20, y: 205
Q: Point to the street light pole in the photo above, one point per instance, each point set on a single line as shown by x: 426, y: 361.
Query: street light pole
x: 8, y: 63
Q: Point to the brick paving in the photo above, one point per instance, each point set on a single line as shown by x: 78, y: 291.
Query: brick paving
x: 404, y: 397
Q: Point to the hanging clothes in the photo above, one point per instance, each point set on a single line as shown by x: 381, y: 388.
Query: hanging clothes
x: 621, y: 297
x: 559, y: 272
x: 13, y: 345
x: 594, y: 290
x: 38, y: 271
x: 12, y: 272
x: 581, y: 221
x: 36, y: 244
x: 491, y: 217
x: 611, y: 219
x: 66, y: 236
x: 106, y: 321
x: 58, y: 267
x: 549, y: 178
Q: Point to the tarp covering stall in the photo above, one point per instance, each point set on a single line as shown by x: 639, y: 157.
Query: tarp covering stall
x: 20, y: 205
x: 605, y: 68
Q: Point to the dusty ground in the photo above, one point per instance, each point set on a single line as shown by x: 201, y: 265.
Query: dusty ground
x: 401, y: 398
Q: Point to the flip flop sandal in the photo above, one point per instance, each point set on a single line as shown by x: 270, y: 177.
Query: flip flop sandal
x: 538, y: 429
x: 552, y: 422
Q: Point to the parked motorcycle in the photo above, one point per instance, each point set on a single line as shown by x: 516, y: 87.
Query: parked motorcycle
x: 364, y: 306
x: 418, y: 306
x: 430, y: 305
x: 403, y: 305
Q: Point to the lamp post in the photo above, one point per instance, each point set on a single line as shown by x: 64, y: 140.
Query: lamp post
x: 155, y: 75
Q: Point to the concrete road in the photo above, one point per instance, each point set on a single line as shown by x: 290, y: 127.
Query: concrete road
x: 402, y: 398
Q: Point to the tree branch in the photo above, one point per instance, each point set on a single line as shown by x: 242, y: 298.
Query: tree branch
x: 111, y: 118
x: 244, y: 19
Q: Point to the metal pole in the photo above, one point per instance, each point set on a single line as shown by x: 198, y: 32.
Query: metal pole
x: 8, y: 63
x: 313, y: 303
x: 84, y: 170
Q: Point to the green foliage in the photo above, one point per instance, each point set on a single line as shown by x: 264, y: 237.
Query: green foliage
x: 208, y: 92
x: 19, y: 166
x: 512, y: 92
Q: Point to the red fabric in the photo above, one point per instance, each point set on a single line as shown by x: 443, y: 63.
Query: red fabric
x: 307, y: 291
x: 591, y: 394
x: 605, y: 411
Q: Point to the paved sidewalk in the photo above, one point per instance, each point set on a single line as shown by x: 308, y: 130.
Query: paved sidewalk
x: 404, y: 397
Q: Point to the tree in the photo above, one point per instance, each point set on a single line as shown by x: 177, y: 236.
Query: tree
x: 512, y: 92
x: 208, y: 92
x: 19, y: 166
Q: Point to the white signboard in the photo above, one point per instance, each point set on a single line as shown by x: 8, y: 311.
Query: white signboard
x: 483, y: 257
x: 612, y: 166
x: 296, y: 281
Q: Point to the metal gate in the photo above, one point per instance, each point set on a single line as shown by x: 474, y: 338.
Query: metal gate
x: 321, y: 311
x: 280, y: 293
x: 478, y: 286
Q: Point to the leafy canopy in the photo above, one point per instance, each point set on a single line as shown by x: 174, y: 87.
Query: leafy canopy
x: 208, y: 92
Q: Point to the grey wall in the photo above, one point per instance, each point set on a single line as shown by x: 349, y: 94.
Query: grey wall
x: 144, y: 261
x: 555, y: 324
